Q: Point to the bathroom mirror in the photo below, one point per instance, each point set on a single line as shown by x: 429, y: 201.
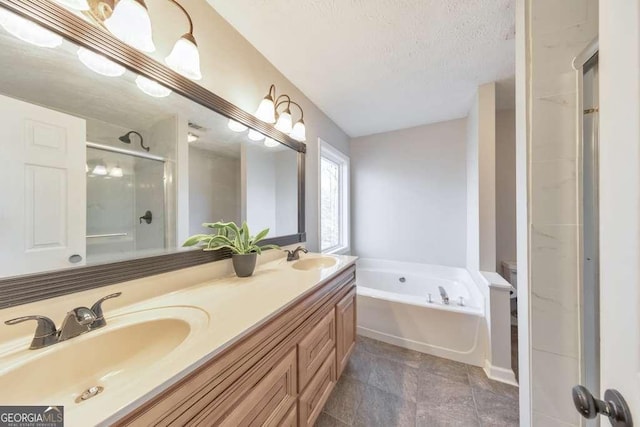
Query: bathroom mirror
x: 101, y: 164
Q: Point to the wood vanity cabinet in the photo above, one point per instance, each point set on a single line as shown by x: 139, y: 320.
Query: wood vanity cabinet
x: 281, y: 374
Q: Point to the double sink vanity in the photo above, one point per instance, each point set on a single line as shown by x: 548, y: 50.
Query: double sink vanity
x: 111, y: 160
x: 178, y: 349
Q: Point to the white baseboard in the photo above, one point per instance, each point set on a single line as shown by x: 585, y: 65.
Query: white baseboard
x: 502, y: 375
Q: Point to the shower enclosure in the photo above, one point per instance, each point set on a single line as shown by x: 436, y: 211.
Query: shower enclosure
x: 126, y: 203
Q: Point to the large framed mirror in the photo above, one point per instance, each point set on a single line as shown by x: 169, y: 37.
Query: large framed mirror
x: 108, y: 166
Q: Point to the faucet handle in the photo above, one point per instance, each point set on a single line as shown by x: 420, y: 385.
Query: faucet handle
x: 99, y: 322
x: 46, y: 331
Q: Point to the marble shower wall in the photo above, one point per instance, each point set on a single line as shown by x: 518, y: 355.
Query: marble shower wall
x: 559, y: 30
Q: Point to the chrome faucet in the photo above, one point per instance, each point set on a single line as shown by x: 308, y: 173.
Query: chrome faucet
x: 295, y: 254
x: 78, y: 321
x: 444, y: 295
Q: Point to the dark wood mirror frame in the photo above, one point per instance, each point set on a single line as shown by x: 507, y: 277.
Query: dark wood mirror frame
x: 24, y: 289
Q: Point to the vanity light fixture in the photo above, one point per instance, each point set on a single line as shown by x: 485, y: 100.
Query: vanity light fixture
x: 28, y: 31
x: 236, y: 126
x: 75, y: 4
x: 268, y: 112
x: 192, y: 137
x: 270, y: 142
x: 267, y: 109
x: 116, y: 172
x: 152, y: 88
x: 130, y: 22
x: 254, y: 135
x: 185, y: 57
x: 100, y: 64
x: 99, y: 169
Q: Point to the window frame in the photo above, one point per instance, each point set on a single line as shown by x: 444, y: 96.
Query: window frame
x: 326, y: 150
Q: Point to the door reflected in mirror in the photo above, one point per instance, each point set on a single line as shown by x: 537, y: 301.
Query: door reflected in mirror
x: 96, y: 167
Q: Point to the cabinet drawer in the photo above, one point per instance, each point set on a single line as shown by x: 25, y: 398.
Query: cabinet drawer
x: 315, y: 347
x: 317, y: 393
x: 265, y: 404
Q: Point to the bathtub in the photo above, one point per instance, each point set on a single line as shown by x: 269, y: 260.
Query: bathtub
x: 393, y: 306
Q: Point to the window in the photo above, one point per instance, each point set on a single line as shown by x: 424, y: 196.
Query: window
x: 334, y: 200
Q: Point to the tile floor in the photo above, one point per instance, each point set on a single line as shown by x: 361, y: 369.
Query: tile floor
x: 388, y: 386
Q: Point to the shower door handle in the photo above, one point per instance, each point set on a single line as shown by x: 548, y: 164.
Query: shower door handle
x: 613, y: 406
x: 148, y: 217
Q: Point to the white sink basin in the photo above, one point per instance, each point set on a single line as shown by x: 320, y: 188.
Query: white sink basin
x: 315, y: 263
x: 108, y: 358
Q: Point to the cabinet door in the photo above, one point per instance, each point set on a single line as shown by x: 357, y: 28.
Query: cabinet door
x: 314, y: 397
x: 315, y: 347
x: 346, y: 329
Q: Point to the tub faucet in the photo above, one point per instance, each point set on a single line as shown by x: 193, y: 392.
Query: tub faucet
x: 295, y: 254
x: 443, y: 294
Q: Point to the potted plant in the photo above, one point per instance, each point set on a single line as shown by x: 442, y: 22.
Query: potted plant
x: 244, y: 247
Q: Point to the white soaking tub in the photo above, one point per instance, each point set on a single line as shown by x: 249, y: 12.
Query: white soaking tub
x: 393, y: 306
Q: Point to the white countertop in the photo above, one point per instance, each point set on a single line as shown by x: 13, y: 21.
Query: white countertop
x: 221, y: 311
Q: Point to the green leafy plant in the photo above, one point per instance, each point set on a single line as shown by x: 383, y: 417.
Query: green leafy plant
x: 228, y: 235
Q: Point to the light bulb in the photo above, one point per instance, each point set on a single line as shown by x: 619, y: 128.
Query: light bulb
x: 269, y: 142
x: 130, y: 23
x: 100, y: 64
x: 299, y: 131
x: 100, y: 169
x: 75, y: 4
x: 116, y: 172
x: 192, y: 137
x: 236, y: 126
x: 152, y: 88
x: 266, y: 110
x: 28, y: 31
x: 185, y: 58
x: 254, y: 135
x: 284, y: 123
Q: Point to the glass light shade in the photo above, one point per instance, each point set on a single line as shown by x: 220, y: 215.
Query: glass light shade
x: 269, y: 142
x: 152, y: 88
x: 75, y: 4
x: 284, y: 123
x: 116, y: 172
x: 236, y: 126
x: 100, y: 64
x: 100, y: 169
x: 299, y: 131
x: 254, y: 135
x: 28, y: 31
x: 130, y: 23
x: 185, y: 58
x: 192, y: 137
x: 266, y: 110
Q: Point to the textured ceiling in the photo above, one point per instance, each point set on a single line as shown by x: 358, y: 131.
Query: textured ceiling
x: 379, y: 65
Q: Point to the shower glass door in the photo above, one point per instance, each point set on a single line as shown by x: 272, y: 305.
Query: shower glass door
x: 125, y: 205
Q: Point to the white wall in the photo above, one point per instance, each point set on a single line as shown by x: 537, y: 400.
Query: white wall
x: 408, y: 194
x: 481, y: 207
x: 286, y: 193
x: 505, y: 187
x: 235, y: 70
x: 214, y: 189
x: 260, y: 190
x: 481, y: 229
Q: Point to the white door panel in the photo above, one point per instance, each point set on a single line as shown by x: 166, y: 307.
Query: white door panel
x: 43, y: 183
